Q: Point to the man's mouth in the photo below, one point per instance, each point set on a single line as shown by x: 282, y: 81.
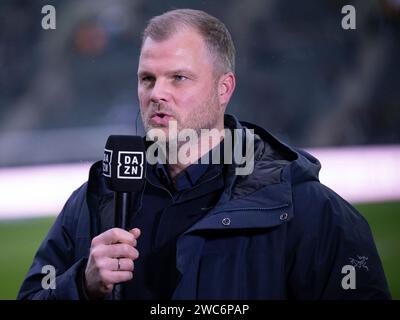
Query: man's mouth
x: 160, y: 118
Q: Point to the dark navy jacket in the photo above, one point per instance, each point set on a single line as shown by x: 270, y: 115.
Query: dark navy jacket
x: 277, y: 233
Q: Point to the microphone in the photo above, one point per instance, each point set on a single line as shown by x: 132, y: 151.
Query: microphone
x: 125, y: 171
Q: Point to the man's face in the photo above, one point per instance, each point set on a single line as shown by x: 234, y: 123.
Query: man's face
x: 176, y: 82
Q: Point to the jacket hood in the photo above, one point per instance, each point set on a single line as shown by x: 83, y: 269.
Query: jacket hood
x: 274, y: 160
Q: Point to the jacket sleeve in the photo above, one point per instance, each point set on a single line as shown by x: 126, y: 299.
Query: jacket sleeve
x: 58, y: 251
x: 333, y: 253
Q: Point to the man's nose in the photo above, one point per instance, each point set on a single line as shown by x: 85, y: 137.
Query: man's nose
x: 159, y: 92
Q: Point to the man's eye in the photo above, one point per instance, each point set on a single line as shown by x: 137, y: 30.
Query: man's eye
x: 146, y: 79
x: 179, y: 77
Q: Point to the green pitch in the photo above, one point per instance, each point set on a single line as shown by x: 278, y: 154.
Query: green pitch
x: 20, y: 239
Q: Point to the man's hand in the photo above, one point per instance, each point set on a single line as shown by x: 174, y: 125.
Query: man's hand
x: 110, y: 260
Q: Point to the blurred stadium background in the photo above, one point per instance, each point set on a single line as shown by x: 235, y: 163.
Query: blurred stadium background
x: 331, y: 91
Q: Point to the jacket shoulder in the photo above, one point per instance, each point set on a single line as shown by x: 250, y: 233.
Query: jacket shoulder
x: 318, y: 208
x: 75, y: 207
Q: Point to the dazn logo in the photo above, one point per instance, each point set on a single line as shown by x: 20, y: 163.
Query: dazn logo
x: 130, y: 165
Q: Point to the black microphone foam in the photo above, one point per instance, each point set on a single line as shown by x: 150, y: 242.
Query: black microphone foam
x: 124, y: 163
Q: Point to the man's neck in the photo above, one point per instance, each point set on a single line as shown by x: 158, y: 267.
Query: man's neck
x: 177, y: 168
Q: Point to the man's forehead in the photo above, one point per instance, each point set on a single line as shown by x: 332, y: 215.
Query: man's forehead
x: 163, y: 60
x: 185, y: 41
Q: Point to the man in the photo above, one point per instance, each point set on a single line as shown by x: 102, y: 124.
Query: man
x: 203, y: 231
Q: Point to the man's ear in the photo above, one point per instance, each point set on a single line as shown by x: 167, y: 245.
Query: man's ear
x: 226, y: 86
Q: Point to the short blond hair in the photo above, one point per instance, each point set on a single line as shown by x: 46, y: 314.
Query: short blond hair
x: 215, y: 34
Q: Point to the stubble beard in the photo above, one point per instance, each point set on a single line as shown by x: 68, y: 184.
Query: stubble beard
x: 207, y: 117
